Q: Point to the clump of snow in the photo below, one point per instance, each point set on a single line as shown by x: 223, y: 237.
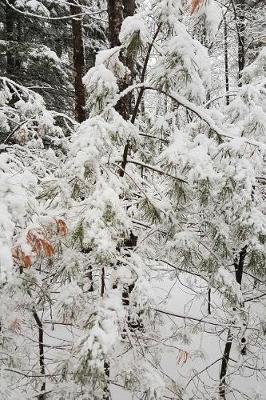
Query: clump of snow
x: 184, y: 66
x: 168, y: 11
x: 213, y: 17
x: 131, y: 27
x: 256, y: 70
x: 33, y: 6
x: 110, y: 58
x: 101, y: 87
x: 211, y: 12
x: 226, y: 282
x: 15, y: 190
x: 185, y: 240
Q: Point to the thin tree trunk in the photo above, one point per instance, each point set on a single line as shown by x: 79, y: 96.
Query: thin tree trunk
x: 239, y: 10
x: 106, y: 395
x: 239, y: 265
x: 209, y: 301
x: 106, y: 364
x: 226, y: 65
x: 10, y: 38
x: 224, y: 366
x: 117, y: 11
x: 41, y: 352
x: 239, y: 269
x: 241, y: 45
x: 129, y: 10
x: 78, y: 61
x: 115, y: 20
x: 12, y: 63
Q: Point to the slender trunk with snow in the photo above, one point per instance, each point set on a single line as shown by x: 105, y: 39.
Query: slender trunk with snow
x: 226, y: 64
x: 239, y: 270
x: 117, y: 11
x: 224, y: 366
x: 238, y: 6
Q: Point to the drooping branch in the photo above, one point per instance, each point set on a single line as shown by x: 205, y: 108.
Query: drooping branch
x: 154, y: 169
x: 198, y: 111
x: 204, y: 321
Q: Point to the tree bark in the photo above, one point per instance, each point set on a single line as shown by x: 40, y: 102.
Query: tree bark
x: 224, y: 367
x: 12, y: 62
x: 117, y: 11
x: 129, y: 7
x: 115, y: 19
x: 239, y: 10
x: 41, y: 352
x: 78, y: 61
x: 239, y: 265
x: 129, y: 10
x: 226, y: 64
x: 10, y: 38
x: 239, y: 269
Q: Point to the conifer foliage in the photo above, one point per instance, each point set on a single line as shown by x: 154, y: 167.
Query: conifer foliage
x: 132, y: 212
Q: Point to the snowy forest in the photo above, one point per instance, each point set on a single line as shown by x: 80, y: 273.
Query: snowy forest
x: 132, y: 200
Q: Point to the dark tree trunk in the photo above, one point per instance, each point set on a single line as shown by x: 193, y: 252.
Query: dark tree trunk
x: 239, y: 9
x: 224, y: 367
x: 226, y: 65
x: 78, y: 62
x: 106, y: 394
x: 10, y: 38
x: 129, y: 10
x: 129, y: 7
x: 41, y: 352
x: 239, y: 265
x: 239, y: 269
x: 117, y: 11
x: 12, y: 62
x: 115, y: 19
x: 241, y: 46
x: 209, y: 301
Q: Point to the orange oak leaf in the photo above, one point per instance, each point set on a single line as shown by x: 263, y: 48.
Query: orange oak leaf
x: 196, y: 5
x: 39, y: 244
x: 20, y: 257
x: 62, y: 228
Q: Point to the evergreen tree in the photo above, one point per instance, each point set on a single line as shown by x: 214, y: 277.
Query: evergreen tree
x: 154, y: 194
